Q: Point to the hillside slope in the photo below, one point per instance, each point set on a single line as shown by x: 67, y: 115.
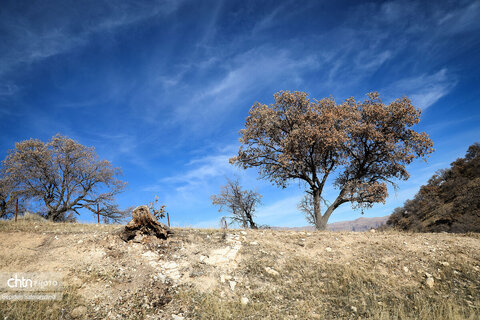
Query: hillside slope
x: 449, y: 202
x: 261, y: 274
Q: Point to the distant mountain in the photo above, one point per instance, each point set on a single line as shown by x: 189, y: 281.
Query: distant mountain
x: 360, y: 224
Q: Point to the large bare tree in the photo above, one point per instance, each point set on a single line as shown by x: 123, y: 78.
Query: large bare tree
x: 240, y: 203
x: 8, y: 198
x: 361, y: 145
x: 64, y: 176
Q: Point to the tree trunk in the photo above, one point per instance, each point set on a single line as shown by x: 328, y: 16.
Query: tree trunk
x: 317, y: 213
x: 321, y: 221
x: 250, y: 221
x: 144, y: 224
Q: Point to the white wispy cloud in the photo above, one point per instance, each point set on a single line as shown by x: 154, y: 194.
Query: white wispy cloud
x: 424, y: 90
x: 462, y: 19
x: 198, y: 172
x: 8, y: 89
x: 241, y: 77
x: 31, y: 40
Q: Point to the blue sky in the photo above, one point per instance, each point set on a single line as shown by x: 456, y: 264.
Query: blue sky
x: 161, y: 88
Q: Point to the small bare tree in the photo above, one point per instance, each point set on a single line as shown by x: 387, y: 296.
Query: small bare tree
x: 63, y: 175
x: 240, y: 203
x: 306, y: 206
x: 157, y: 212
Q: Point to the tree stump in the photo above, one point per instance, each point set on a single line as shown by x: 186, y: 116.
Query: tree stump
x: 144, y: 224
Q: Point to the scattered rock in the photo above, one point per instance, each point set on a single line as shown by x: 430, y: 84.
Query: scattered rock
x: 223, y: 255
x: 405, y: 269
x: 79, y: 312
x: 254, y: 243
x: 372, y: 231
x: 271, y: 271
x: 444, y: 263
x: 244, y: 301
x: 176, y: 317
x: 353, y: 308
x: 328, y: 249
x: 80, y: 242
x: 430, y: 282
x: 243, y: 232
x: 195, y: 274
x: 232, y: 285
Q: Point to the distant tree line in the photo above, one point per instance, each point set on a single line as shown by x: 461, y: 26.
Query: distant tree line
x: 450, y: 201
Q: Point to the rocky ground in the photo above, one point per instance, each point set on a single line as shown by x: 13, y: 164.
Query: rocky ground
x: 245, y: 274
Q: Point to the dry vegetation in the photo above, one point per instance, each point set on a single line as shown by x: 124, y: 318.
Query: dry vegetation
x: 202, y: 274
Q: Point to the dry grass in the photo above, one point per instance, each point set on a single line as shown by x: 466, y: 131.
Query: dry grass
x: 28, y: 310
x: 306, y: 290
x: 364, y: 279
x: 39, y: 225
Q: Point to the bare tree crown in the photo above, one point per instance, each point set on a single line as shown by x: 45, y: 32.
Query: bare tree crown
x: 367, y: 144
x: 65, y: 176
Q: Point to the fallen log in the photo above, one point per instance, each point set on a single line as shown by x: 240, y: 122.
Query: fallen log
x: 143, y: 224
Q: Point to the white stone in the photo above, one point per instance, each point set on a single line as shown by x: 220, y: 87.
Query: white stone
x: 170, y: 265
x: 78, y: 312
x: 354, y: 309
x: 328, y: 249
x: 244, y: 300
x: 254, y: 243
x: 232, y: 285
x: 405, y: 269
x: 223, y: 255
x: 176, y: 317
x: 430, y: 282
x: 271, y: 271
x: 243, y: 232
